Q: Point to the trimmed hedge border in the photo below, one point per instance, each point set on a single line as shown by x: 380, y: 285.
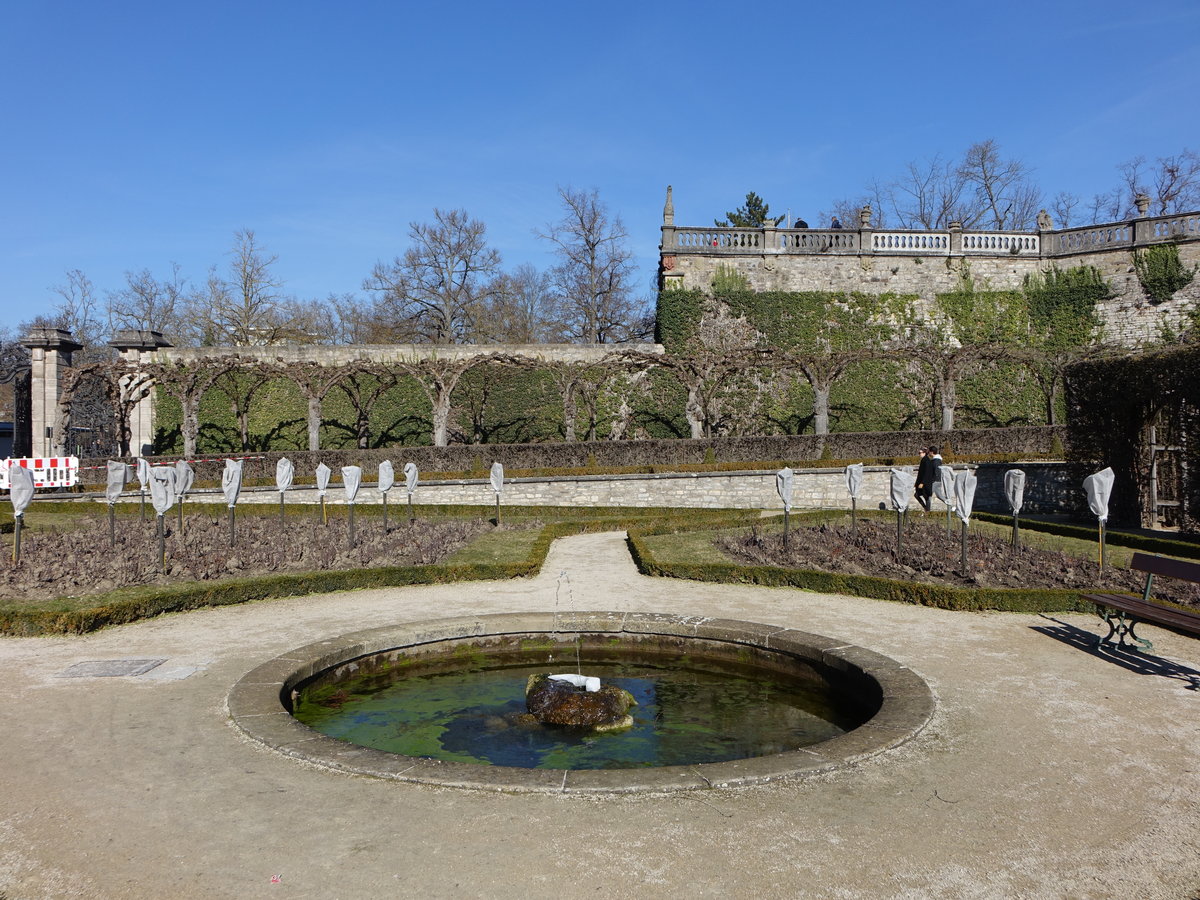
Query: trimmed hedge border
x: 942, y: 597
x: 1171, y: 547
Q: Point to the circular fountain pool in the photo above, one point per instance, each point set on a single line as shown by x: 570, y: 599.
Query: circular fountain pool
x: 719, y: 702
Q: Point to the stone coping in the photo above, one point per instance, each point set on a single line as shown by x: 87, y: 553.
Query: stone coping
x: 259, y: 704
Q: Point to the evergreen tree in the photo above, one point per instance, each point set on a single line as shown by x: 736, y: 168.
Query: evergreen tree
x: 754, y: 214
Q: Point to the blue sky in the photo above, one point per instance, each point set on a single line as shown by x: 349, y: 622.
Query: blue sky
x: 140, y: 134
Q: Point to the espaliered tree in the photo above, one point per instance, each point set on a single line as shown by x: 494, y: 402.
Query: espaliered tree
x: 188, y: 383
x: 581, y: 382
x: 1064, y: 326
x: 438, y: 377
x: 363, y: 384
x: 821, y: 336
x: 969, y: 329
x: 122, y: 386
x: 315, y: 382
x: 721, y: 351
x: 240, y: 385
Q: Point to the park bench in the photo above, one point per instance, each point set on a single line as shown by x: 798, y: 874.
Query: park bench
x: 1122, y: 613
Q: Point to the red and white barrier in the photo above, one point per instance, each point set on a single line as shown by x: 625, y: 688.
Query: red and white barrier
x: 48, y: 472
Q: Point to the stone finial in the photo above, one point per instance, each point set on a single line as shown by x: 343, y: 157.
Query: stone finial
x: 1142, y: 201
x: 669, y: 209
x: 1044, y: 222
x: 955, y: 226
x: 864, y: 217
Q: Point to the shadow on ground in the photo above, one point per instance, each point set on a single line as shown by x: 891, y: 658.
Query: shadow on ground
x: 1127, y: 657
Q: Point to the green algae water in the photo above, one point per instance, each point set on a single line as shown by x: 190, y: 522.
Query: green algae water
x: 689, y: 711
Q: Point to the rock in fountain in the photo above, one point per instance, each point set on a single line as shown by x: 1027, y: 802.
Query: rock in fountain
x: 578, y: 701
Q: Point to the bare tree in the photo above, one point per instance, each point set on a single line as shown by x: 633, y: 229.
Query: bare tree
x: 246, y: 308
x: 1173, y: 184
x: 982, y: 190
x: 592, y: 280
x: 521, y: 309
x: 437, y: 289
x: 146, y: 303
x: 77, y: 311
x: 1003, y: 197
x: 1063, y: 208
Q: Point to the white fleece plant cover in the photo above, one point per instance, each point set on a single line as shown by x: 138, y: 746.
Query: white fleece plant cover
x: 184, y: 478
x: 411, y: 475
x: 164, y: 489
x: 497, y: 478
x: 854, y: 476
x: 964, y: 494
x: 231, y: 481
x: 783, y: 484
x: 1098, y: 488
x: 118, y: 475
x: 285, y: 472
x: 143, y: 473
x: 20, y: 488
x: 1014, y: 489
x: 351, y: 479
x: 943, y: 488
x: 323, y: 473
x: 387, y: 476
x: 903, y: 481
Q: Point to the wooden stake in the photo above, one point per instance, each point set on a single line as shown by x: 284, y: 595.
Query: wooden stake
x: 162, y: 545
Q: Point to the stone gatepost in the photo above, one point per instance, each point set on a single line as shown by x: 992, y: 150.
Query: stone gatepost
x: 50, y: 352
x: 136, y: 347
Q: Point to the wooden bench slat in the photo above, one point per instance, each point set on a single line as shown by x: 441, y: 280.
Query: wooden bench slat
x: 1166, y: 567
x: 1149, y: 612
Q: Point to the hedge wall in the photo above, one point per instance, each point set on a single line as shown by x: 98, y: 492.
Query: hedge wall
x: 1113, y: 403
x: 1040, y: 440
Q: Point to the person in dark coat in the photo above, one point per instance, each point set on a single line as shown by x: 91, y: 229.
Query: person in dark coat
x: 926, y: 474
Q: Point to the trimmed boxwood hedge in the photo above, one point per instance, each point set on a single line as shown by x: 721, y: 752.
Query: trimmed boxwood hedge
x: 942, y: 597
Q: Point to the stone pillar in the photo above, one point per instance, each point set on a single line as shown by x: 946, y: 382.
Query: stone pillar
x: 1143, y: 229
x: 50, y: 352
x: 866, y: 232
x: 956, y: 239
x: 136, y: 347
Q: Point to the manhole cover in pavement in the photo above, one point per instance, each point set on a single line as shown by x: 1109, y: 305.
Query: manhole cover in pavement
x: 110, y: 668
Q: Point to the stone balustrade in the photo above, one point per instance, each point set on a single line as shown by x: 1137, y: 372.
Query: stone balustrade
x: 868, y: 241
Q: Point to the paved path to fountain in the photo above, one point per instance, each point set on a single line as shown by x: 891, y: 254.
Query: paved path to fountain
x: 1047, y: 771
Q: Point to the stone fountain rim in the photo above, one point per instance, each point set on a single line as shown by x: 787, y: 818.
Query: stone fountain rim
x: 258, y: 704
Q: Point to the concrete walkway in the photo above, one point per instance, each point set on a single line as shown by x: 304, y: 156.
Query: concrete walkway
x: 1047, y: 771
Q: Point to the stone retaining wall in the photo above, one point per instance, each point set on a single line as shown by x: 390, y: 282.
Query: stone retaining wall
x: 1047, y: 490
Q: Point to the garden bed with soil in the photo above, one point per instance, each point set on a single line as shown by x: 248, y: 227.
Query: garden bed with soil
x: 931, y: 556
x: 79, y: 561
